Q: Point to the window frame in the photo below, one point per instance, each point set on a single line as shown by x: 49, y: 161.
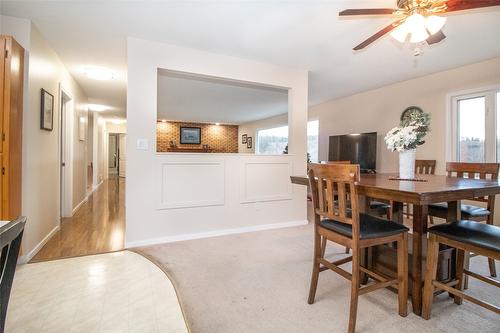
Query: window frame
x: 490, y: 140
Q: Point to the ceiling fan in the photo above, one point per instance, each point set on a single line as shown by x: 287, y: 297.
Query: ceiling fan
x: 417, y: 20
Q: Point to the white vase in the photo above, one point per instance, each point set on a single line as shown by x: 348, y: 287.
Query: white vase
x: 407, y: 164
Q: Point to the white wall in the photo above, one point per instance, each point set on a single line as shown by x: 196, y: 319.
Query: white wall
x: 250, y: 129
x: 379, y: 110
x: 41, y: 148
x: 148, y: 219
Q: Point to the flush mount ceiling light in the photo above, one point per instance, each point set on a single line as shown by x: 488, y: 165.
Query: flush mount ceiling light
x: 98, y: 73
x: 417, y: 20
x: 118, y: 121
x: 97, y: 107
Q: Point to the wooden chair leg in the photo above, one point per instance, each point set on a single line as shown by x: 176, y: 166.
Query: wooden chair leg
x: 466, y: 266
x: 315, y: 270
x: 354, y: 290
x: 431, y: 219
x: 459, y: 274
x: 493, y: 269
x: 491, y: 262
x: 403, y: 275
x: 347, y: 250
x: 323, y: 246
x: 430, y: 275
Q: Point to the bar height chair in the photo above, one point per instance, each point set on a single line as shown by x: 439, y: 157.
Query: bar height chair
x: 465, y: 236
x: 339, y: 221
x: 471, y: 212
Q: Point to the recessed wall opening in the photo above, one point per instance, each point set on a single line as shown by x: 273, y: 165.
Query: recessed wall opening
x: 200, y: 114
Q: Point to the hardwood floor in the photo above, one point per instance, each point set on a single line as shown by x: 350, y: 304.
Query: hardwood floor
x: 97, y: 227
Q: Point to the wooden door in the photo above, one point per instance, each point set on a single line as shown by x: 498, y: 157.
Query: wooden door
x: 12, y: 125
x: 2, y: 109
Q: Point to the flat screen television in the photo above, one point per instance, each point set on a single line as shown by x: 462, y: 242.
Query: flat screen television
x: 358, y: 148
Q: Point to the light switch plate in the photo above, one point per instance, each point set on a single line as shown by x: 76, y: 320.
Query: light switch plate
x: 142, y: 144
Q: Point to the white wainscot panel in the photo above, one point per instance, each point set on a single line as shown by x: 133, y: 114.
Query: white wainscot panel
x: 187, y: 184
x: 266, y: 181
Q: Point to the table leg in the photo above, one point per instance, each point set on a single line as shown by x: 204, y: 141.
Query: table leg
x: 397, y: 211
x: 454, y: 211
x: 420, y: 215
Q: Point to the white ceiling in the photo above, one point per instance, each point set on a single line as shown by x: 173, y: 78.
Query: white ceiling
x: 305, y: 34
x: 196, y: 99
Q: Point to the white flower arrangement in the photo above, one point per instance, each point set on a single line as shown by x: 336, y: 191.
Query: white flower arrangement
x: 408, y: 135
x: 401, y: 138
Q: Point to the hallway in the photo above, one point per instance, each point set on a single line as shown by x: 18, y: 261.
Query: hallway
x: 97, y: 227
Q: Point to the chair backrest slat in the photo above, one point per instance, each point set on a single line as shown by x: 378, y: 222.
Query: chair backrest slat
x: 425, y: 167
x: 333, y: 188
x: 473, y: 171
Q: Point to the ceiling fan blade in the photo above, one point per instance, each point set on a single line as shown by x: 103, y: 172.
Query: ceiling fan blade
x: 368, y: 11
x: 379, y: 34
x: 436, y: 38
x: 456, y: 5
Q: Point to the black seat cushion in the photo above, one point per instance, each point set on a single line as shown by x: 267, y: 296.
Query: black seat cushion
x: 468, y: 211
x: 370, y: 227
x: 380, y: 207
x: 470, y: 232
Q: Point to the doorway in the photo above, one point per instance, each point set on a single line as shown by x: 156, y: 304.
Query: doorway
x: 65, y: 144
x: 117, y: 156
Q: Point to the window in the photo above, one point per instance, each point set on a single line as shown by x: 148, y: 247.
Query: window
x: 476, y: 127
x: 312, y: 140
x: 272, y: 140
x: 471, y: 129
x: 275, y: 140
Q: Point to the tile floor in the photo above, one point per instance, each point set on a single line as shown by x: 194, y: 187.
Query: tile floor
x: 114, y: 292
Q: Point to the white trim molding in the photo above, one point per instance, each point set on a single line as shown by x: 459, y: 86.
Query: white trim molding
x: 266, y: 179
x: 80, y: 204
x: 191, y: 182
x: 215, y: 233
x: 26, y: 258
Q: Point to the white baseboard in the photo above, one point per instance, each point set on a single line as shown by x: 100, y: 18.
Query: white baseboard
x: 27, y: 257
x: 96, y: 186
x: 215, y: 233
x: 79, y: 205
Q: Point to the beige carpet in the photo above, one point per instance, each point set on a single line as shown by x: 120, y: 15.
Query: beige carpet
x: 258, y: 282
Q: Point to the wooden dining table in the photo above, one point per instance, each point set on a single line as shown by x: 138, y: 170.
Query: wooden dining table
x: 429, y: 189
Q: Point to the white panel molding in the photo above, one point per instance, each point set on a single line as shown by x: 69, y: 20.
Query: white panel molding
x: 26, y: 258
x: 215, y: 233
x: 266, y: 179
x: 192, y: 182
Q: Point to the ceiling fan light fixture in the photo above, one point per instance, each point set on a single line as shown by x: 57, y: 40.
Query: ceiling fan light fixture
x: 434, y: 23
x: 416, y: 26
x: 400, y: 33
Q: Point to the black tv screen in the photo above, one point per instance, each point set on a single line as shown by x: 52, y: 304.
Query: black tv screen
x: 358, y: 148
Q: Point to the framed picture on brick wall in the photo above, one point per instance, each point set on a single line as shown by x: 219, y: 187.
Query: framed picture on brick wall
x: 249, y: 142
x: 190, y: 135
x: 244, y: 138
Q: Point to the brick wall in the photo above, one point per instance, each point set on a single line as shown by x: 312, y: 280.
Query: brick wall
x: 220, y: 138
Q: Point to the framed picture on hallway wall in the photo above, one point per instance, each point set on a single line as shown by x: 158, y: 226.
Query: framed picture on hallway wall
x: 46, y: 111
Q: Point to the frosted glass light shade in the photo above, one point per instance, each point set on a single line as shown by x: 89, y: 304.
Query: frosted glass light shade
x: 434, y: 23
x: 400, y: 33
x: 416, y: 26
